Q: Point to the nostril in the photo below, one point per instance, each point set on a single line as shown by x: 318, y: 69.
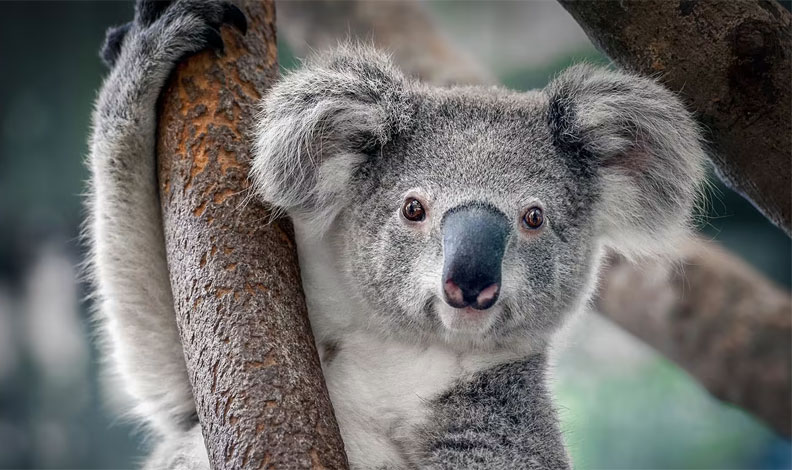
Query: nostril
x: 488, y: 296
x: 454, y: 294
x: 479, y: 299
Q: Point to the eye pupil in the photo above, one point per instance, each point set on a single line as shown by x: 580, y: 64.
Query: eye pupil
x: 533, y: 218
x: 413, y: 210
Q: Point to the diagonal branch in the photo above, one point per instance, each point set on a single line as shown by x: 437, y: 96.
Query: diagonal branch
x: 402, y: 29
x: 715, y: 316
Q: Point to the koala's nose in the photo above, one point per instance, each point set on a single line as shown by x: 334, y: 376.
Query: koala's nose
x: 474, y: 240
x: 479, y: 299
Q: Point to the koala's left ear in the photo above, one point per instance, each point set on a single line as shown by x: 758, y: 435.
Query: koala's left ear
x: 320, y: 123
x: 645, y: 150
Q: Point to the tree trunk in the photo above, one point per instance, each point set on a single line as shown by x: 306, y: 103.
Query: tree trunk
x: 732, y: 62
x: 255, y: 373
x: 726, y: 324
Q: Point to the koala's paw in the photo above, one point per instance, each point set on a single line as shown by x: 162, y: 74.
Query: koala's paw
x: 181, y: 27
x: 166, y: 31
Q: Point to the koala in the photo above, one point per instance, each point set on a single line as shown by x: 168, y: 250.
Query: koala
x: 444, y: 235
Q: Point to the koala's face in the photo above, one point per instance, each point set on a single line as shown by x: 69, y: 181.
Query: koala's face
x: 470, y: 225
x: 469, y: 215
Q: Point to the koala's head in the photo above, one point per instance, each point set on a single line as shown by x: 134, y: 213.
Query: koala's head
x: 475, y: 214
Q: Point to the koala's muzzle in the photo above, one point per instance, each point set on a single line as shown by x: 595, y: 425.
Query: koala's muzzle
x: 474, y: 239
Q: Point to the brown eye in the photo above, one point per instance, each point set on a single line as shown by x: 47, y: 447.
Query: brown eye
x: 533, y: 218
x: 413, y: 210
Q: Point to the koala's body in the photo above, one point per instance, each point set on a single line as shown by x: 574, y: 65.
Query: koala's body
x: 444, y: 234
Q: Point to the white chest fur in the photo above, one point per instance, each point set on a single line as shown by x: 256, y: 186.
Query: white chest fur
x: 381, y: 388
x: 380, y: 391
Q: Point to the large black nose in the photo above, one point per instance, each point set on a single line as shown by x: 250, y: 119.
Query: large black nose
x: 474, y: 239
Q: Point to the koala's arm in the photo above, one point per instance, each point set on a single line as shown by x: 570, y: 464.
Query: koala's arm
x: 502, y: 418
x: 128, y: 263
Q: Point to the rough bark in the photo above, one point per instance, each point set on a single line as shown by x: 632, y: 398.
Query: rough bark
x: 719, y: 319
x: 255, y: 373
x: 732, y: 63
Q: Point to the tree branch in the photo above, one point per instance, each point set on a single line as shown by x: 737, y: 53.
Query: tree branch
x: 716, y: 317
x: 745, y: 355
x: 732, y: 63
x: 400, y: 27
x: 255, y: 373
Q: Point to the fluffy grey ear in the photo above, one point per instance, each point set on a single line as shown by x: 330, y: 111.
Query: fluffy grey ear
x: 320, y: 122
x: 640, y: 144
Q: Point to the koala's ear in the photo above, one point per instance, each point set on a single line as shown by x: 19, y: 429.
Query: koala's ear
x: 640, y: 144
x: 322, y: 121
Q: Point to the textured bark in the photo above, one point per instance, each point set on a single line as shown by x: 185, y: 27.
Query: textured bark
x: 732, y: 62
x: 717, y: 318
x: 728, y: 325
x: 255, y: 373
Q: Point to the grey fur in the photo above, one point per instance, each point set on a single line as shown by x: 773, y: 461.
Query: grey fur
x: 613, y: 159
x: 344, y: 107
x: 643, y: 143
x: 127, y: 261
x: 502, y: 418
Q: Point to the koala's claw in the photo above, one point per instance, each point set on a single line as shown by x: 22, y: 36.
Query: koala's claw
x: 234, y: 16
x: 213, y: 38
x: 231, y: 15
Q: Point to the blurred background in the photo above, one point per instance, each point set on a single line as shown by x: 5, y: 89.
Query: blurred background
x: 621, y: 404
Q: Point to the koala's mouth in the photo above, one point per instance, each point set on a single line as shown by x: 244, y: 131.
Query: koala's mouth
x: 466, y: 319
x: 472, y: 313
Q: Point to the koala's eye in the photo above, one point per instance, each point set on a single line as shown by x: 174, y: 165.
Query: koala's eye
x: 413, y: 210
x: 533, y: 218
